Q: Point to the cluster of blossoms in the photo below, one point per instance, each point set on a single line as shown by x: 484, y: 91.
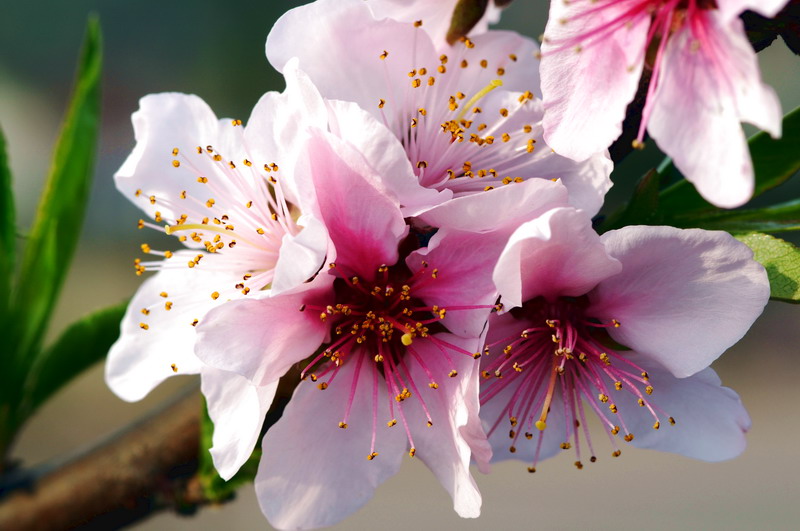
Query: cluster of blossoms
x: 408, y: 227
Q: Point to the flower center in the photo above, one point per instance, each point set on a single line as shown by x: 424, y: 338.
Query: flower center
x: 452, y: 141
x: 233, y: 210
x: 382, y: 322
x: 562, y: 354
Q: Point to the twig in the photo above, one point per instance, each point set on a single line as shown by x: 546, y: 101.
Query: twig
x: 146, y: 468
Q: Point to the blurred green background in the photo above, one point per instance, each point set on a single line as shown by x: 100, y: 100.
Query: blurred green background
x: 216, y: 50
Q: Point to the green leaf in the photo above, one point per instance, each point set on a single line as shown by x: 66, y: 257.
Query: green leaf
x: 777, y: 218
x: 8, y: 231
x: 774, y: 162
x: 466, y: 14
x: 81, y: 345
x: 57, y: 226
x: 782, y: 262
x: 216, y: 489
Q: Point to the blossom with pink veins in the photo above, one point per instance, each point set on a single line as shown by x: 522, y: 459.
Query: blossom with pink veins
x: 465, y: 118
x: 676, y: 299
x: 199, y: 180
x: 386, y: 336
x: 704, y: 82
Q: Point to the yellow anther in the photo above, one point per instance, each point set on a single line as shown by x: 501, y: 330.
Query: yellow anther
x: 406, y: 339
x: 144, y: 326
x: 176, y: 163
x: 343, y: 425
x: 174, y: 367
x: 322, y: 386
x: 215, y: 295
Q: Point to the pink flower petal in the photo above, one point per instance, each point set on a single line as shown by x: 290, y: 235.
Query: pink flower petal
x: 555, y: 255
x: 683, y: 296
x: 385, y: 154
x: 480, y: 212
x: 435, y: 16
x: 447, y: 445
x: 261, y: 339
x: 143, y: 358
x: 320, y: 34
x: 314, y: 474
x: 300, y: 256
x: 710, y: 420
x: 237, y: 409
x: 162, y: 123
x: 703, y: 94
x: 731, y: 9
x: 279, y: 124
x: 586, y: 93
x: 364, y: 224
x: 462, y: 264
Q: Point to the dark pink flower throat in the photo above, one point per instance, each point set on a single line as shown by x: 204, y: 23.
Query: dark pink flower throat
x: 381, y: 322
x: 560, y: 352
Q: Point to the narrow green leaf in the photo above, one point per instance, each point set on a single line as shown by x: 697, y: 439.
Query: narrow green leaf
x: 782, y: 262
x: 8, y: 231
x: 81, y: 345
x: 216, y: 489
x: 777, y: 218
x: 57, y: 226
x: 466, y: 14
x: 774, y: 162
x: 642, y: 206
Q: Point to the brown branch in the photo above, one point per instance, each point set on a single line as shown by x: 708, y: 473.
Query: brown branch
x: 147, y: 468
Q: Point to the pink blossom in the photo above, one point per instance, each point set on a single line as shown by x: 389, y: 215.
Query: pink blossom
x: 197, y: 179
x: 465, y: 119
x: 676, y: 299
x: 386, y: 336
x: 705, y: 80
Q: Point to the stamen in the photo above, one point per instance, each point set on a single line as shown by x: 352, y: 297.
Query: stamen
x: 480, y: 94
